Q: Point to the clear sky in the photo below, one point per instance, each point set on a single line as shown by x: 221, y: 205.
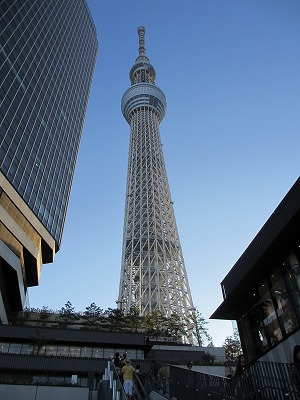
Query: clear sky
x: 231, y: 73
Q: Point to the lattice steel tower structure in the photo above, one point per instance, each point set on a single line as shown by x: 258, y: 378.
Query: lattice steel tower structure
x: 153, y: 274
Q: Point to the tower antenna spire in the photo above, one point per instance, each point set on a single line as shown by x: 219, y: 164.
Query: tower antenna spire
x: 142, y: 49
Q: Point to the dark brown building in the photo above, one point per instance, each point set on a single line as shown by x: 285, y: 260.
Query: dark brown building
x: 262, y: 290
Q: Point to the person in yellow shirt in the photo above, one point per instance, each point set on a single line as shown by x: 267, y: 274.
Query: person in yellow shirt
x: 128, y: 372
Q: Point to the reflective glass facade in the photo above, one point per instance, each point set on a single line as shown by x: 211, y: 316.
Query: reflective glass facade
x: 273, y: 309
x: 66, y: 350
x: 48, y: 52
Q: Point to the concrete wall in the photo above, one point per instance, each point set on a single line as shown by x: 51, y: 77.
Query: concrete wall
x: 26, y: 392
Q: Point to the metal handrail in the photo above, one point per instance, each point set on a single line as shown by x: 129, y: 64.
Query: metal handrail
x: 140, y: 387
x: 261, y: 380
x: 118, y: 392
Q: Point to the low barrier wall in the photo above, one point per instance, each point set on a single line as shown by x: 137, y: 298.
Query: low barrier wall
x: 26, y: 392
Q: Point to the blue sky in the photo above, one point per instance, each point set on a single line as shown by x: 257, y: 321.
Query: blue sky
x: 231, y: 73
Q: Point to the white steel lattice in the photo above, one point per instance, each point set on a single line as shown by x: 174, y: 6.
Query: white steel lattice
x: 153, y: 274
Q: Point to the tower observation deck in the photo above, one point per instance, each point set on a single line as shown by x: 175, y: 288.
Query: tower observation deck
x: 153, y: 275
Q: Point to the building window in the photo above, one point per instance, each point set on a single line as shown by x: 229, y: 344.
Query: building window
x: 51, y: 350
x: 86, y: 352
x: 27, y: 349
x: 274, y: 311
x: 15, y: 348
x: 270, y: 320
x: 291, y: 269
x: 97, y: 352
x: 4, y: 347
x: 63, y: 351
x: 252, y: 332
x: 283, y: 305
x: 74, y: 351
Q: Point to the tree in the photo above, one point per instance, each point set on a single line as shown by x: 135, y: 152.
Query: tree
x: 208, y: 358
x: 115, y: 319
x: 133, y: 319
x: 155, y: 323
x: 93, y: 316
x: 200, y: 330
x: 39, y: 341
x: 67, y: 309
x: 175, y: 327
x: 44, y: 315
x: 232, y: 346
x: 67, y: 315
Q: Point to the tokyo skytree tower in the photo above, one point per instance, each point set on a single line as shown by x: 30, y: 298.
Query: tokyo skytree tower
x: 153, y: 274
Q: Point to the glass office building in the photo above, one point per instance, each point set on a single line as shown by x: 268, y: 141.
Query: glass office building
x: 48, y: 52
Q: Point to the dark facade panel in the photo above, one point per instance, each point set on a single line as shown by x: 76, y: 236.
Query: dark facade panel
x: 261, y: 292
x: 48, y: 363
x: 8, y: 332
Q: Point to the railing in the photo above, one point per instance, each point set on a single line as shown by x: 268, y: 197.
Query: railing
x: 115, y: 385
x: 139, y: 389
x: 262, y: 381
